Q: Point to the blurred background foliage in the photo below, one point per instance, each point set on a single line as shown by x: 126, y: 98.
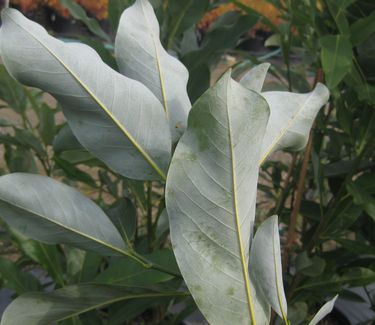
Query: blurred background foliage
x: 325, y: 196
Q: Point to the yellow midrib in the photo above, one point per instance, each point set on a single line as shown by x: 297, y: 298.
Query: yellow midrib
x: 100, y: 104
x: 283, y: 131
x: 238, y: 228
x: 116, y: 249
x: 158, y: 63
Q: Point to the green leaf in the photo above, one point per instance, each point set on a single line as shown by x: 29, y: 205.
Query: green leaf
x: 356, y: 246
x: 124, y: 217
x: 339, y: 13
x: 265, y: 265
x: 358, y: 276
x: 65, y: 140
x: 363, y: 198
x: 126, y: 272
x: 223, y: 35
x: 199, y: 81
x: 48, y: 256
x: 105, y: 110
x: 119, y: 315
x: 141, y: 56
x: 12, y: 92
x: 52, y: 212
x: 254, y: 78
x: 115, y: 9
x: 297, y: 313
x: 183, y: 15
x: 20, y: 159
x: 73, y: 172
x: 106, y: 53
x: 362, y: 28
x: 5, y: 123
x: 324, y: 311
x: 80, y: 14
x: 47, y: 308
x: 16, y: 279
x: 46, y: 127
x: 210, y: 199
x: 336, y: 58
x: 29, y: 141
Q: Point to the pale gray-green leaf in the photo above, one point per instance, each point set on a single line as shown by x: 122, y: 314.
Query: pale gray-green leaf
x: 141, y: 56
x: 47, y: 308
x: 210, y: 199
x: 52, y: 212
x: 292, y: 115
x: 291, y: 118
x: 324, y: 311
x: 254, y: 78
x: 117, y: 119
x: 265, y: 265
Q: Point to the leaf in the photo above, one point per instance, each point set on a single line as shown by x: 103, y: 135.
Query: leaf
x: 47, y: 256
x: 297, y: 313
x: 16, y: 279
x: 52, y: 212
x: 362, y: 29
x: 223, y: 35
x: 141, y: 56
x: 115, y: 9
x: 27, y: 139
x: 362, y: 197
x: 46, y: 127
x: 20, y: 159
x: 265, y: 266
x: 80, y: 14
x: 291, y: 118
x: 126, y: 272
x: 65, y: 140
x: 47, y: 308
x: 12, y: 92
x: 105, y: 52
x: 254, y: 78
x: 210, y: 199
x: 324, y: 311
x: 5, y: 123
x: 336, y: 56
x: 131, y: 309
x: 105, y: 110
x: 124, y: 217
x: 73, y: 172
x: 183, y: 15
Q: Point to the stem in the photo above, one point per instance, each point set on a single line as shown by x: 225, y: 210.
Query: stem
x: 286, y: 188
x: 297, y: 204
x: 149, y: 215
x: 6, y: 4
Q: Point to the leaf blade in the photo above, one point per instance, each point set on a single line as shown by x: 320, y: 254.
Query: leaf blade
x: 291, y: 118
x: 254, y: 78
x: 205, y: 213
x: 324, y: 311
x: 141, y: 56
x: 265, y: 263
x: 46, y: 308
x: 32, y: 204
x: 91, y: 97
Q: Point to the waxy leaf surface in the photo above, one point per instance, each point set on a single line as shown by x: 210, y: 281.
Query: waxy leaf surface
x: 116, y: 118
x: 141, y: 56
x: 210, y: 201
